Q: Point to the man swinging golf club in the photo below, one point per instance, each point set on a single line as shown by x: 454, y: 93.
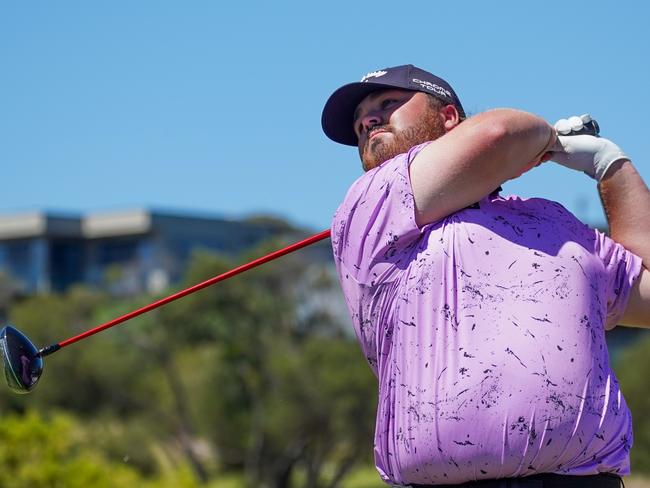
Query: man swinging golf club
x: 482, y: 316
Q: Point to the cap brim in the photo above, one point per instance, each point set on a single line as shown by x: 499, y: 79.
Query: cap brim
x: 338, y: 112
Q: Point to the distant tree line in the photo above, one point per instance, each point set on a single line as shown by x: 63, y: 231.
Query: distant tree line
x: 240, y: 377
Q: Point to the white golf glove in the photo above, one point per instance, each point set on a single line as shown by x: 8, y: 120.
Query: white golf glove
x: 590, y: 154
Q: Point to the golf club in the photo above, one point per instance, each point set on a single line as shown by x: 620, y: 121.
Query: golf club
x: 23, y: 361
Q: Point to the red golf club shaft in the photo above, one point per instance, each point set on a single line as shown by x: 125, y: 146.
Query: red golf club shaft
x: 163, y: 301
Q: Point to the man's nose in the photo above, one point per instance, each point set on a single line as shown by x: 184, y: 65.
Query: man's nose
x: 370, y: 120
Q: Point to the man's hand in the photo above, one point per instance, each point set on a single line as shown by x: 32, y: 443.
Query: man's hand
x: 589, y: 154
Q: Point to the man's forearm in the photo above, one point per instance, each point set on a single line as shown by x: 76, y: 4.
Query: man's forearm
x: 626, y: 200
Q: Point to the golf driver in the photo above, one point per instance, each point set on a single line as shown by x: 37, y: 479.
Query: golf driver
x: 23, y: 361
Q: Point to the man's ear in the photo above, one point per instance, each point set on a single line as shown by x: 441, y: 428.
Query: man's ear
x: 450, y: 117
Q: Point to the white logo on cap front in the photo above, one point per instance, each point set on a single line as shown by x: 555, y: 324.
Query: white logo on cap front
x: 427, y: 85
x: 373, y: 74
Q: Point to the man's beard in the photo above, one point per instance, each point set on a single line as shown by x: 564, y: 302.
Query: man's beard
x: 376, y: 151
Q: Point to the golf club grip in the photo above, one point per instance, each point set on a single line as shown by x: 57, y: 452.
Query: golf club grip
x: 590, y: 128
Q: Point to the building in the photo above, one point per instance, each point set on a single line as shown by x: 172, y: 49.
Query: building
x: 128, y: 252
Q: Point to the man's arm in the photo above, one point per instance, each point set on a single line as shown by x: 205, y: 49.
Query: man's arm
x: 474, y: 158
x: 626, y: 200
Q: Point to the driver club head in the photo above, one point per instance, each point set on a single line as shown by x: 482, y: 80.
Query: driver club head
x: 22, y: 361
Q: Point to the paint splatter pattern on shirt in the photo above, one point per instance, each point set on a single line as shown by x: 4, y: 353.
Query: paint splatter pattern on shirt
x: 486, y: 332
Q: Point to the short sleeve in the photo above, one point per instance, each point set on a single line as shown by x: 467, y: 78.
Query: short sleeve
x: 622, y: 268
x: 374, y: 229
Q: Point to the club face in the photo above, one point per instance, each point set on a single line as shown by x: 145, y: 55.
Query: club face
x: 22, y: 362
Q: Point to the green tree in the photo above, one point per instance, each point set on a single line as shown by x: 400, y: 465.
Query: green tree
x: 98, y: 376
x: 36, y: 452
x: 105, y: 379
x: 254, y: 374
x: 9, y: 292
x: 323, y: 399
x: 632, y: 371
x: 285, y: 393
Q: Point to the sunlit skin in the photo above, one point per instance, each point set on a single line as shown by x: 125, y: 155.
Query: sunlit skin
x: 390, y: 122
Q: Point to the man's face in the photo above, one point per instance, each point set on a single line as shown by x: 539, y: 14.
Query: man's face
x: 390, y: 122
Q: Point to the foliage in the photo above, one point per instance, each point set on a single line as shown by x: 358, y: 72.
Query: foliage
x: 632, y: 371
x: 254, y: 375
x: 9, y: 290
x: 35, y: 452
x: 274, y: 399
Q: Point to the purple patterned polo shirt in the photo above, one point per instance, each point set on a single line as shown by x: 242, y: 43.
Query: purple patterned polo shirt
x: 486, y: 331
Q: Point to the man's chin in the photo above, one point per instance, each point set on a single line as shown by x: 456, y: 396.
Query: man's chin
x: 380, y: 154
x: 369, y: 164
x: 383, y: 147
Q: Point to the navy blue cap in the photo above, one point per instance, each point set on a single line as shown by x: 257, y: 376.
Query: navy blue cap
x: 338, y: 112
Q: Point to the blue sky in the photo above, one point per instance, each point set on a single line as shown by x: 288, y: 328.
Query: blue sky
x: 215, y: 106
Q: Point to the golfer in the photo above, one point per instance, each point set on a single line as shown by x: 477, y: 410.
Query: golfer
x: 483, y: 316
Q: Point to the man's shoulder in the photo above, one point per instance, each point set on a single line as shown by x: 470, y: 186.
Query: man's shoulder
x: 546, y: 217
x: 375, y: 224
x: 539, y: 205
